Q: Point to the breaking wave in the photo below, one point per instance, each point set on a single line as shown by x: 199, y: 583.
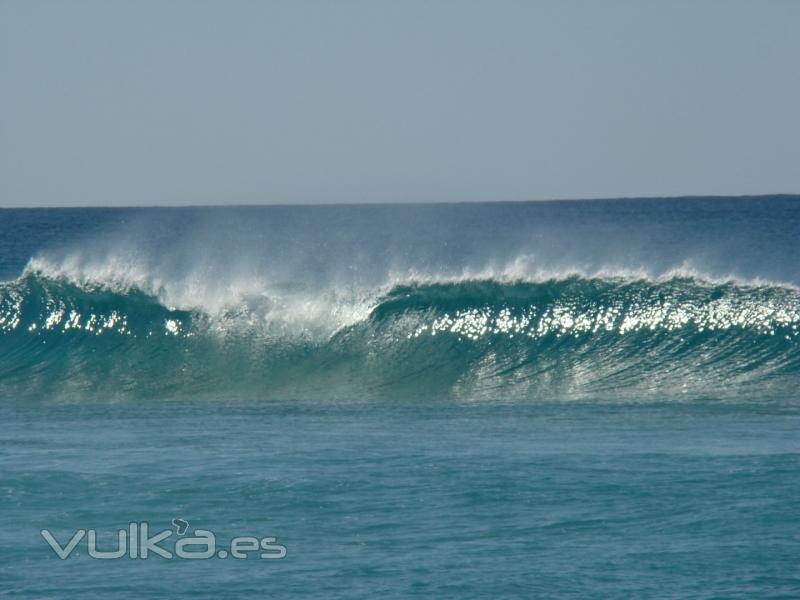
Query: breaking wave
x: 484, y: 335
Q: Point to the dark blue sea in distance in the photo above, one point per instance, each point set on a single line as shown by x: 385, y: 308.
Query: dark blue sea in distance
x: 535, y: 400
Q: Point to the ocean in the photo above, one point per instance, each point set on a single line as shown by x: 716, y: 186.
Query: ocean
x: 540, y: 399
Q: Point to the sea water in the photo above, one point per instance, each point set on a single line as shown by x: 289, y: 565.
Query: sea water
x: 560, y: 399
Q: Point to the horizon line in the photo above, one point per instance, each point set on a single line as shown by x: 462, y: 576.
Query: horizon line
x: 408, y: 202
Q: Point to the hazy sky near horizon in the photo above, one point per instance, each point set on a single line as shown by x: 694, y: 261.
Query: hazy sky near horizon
x: 184, y: 102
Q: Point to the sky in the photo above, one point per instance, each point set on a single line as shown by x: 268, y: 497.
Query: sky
x: 191, y: 102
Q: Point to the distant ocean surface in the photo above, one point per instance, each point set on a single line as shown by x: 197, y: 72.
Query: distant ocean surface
x: 557, y: 399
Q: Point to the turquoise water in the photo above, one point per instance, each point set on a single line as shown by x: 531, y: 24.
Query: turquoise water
x: 693, y: 500
x: 556, y: 400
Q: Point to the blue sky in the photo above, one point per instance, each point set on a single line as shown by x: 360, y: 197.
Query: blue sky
x: 178, y: 102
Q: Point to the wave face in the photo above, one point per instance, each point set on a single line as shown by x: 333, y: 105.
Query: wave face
x: 569, y: 338
x: 627, y: 300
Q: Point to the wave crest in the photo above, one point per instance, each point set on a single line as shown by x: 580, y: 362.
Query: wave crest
x: 572, y: 337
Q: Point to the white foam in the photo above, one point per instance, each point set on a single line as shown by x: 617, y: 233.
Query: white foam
x: 231, y: 304
x: 526, y: 269
x: 237, y: 299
